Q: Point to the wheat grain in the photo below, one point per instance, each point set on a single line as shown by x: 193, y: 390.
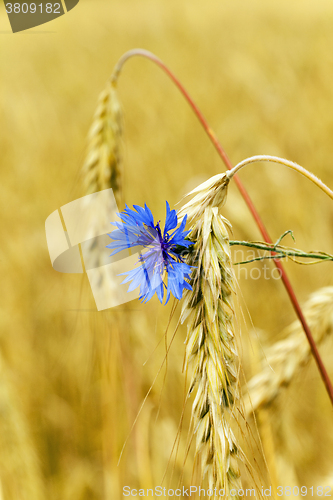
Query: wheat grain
x: 210, y: 342
x: 102, y: 166
x: 211, y: 193
x: 287, y: 356
x: 210, y: 347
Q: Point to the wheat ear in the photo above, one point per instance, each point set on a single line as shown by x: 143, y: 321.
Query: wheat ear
x: 287, y: 356
x: 102, y: 166
x: 210, y: 342
x: 101, y: 170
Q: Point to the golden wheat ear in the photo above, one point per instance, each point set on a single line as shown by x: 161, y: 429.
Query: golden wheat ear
x: 211, y: 193
x: 286, y: 357
x: 211, y: 350
x: 102, y: 167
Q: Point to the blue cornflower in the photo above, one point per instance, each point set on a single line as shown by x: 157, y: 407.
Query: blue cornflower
x: 159, y: 258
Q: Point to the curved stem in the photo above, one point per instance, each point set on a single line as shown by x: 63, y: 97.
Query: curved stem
x: 287, y: 163
x: 149, y: 55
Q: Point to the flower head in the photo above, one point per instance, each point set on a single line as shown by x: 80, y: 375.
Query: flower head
x: 160, y: 264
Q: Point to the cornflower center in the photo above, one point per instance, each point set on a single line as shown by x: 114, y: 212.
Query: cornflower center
x: 164, y: 244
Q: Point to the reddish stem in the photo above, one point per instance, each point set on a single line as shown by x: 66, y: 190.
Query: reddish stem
x: 256, y: 216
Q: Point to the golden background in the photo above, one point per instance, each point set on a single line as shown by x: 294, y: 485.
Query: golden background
x: 73, y: 380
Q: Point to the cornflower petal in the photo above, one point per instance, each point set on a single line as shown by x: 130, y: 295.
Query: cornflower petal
x: 170, y: 220
x: 159, y: 266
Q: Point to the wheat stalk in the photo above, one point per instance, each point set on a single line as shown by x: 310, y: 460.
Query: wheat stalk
x: 210, y: 342
x: 20, y: 474
x: 102, y: 169
x: 102, y: 165
x: 287, y: 356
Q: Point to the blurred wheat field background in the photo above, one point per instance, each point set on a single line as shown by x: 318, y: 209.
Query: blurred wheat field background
x: 72, y: 380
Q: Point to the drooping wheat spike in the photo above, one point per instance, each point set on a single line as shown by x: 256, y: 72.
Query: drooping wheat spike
x: 287, y: 356
x: 102, y: 166
x: 210, y: 343
x: 212, y: 193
